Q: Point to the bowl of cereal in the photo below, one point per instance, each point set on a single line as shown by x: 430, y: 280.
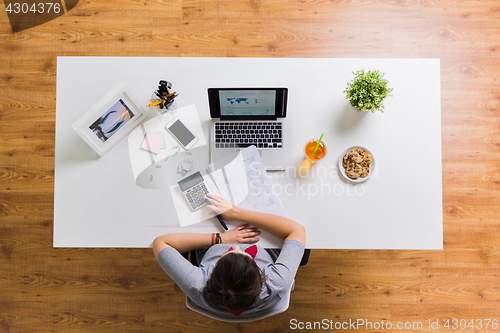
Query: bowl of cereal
x: 356, y: 164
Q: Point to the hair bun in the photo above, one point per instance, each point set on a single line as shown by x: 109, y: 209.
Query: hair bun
x: 235, y: 283
x: 228, y: 295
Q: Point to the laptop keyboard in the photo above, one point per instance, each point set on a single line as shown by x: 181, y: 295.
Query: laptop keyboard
x: 232, y: 134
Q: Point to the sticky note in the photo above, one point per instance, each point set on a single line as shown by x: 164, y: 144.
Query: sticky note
x: 153, y: 142
x: 164, y: 145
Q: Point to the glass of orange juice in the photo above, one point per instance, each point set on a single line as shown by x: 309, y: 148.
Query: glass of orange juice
x: 320, y: 152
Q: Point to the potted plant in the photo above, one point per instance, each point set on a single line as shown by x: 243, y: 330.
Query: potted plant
x: 367, y: 90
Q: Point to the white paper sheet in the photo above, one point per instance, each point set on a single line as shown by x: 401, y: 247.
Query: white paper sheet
x: 243, y: 180
x: 141, y: 159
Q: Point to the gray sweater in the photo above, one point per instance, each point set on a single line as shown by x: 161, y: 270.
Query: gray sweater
x: 192, y: 279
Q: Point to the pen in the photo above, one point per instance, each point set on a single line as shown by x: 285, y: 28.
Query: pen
x: 155, y: 103
x: 218, y: 217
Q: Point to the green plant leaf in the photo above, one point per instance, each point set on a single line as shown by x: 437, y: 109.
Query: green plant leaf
x: 367, y: 90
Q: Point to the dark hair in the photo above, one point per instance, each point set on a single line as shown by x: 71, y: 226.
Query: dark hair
x: 235, y: 283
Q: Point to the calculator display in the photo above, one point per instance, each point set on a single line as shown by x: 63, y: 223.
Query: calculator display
x: 190, y: 181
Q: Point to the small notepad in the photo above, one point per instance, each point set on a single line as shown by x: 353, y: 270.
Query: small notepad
x: 164, y: 145
x: 153, y: 142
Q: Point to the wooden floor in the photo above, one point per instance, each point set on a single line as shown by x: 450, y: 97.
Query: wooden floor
x: 43, y: 289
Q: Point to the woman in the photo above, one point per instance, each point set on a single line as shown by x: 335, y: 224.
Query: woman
x: 230, y: 278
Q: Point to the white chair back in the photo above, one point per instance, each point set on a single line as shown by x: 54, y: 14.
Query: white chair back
x: 279, y: 307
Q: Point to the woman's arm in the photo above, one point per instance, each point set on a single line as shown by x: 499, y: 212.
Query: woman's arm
x: 184, y: 242
x: 277, y: 225
x: 181, y: 242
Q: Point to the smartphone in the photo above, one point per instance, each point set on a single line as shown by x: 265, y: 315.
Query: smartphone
x: 181, y: 133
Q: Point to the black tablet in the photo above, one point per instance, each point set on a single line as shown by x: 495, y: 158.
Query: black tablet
x: 247, y: 103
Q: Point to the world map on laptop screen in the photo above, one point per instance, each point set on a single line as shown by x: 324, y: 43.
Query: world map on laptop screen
x: 247, y: 102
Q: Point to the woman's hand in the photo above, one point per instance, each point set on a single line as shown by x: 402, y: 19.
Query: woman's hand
x: 241, y: 234
x: 223, y: 207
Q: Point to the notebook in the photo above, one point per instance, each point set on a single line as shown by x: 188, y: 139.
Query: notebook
x: 243, y: 117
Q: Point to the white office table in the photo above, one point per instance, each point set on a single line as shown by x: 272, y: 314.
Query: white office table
x: 97, y: 203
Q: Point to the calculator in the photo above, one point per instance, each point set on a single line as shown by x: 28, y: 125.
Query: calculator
x: 194, y: 189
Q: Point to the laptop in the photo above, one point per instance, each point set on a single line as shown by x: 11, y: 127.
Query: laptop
x: 242, y: 117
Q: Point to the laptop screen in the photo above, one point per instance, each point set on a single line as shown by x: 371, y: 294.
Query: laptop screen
x: 247, y: 103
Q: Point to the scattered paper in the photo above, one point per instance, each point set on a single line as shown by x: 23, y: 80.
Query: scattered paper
x: 243, y: 180
x: 141, y: 159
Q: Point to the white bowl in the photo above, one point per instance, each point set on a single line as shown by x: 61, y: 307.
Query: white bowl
x: 342, y: 169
